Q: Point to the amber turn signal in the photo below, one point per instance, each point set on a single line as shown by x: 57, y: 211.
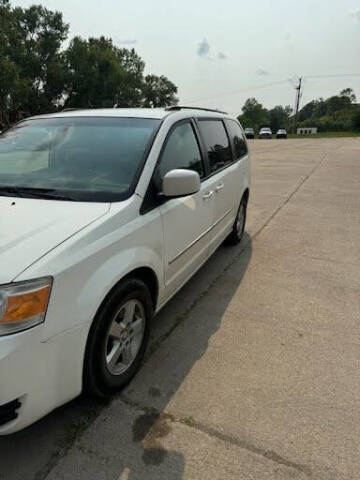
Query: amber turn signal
x: 23, y: 304
x: 27, y: 305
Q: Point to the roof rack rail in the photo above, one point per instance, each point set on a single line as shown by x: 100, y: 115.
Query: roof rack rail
x: 70, y: 109
x: 184, y: 107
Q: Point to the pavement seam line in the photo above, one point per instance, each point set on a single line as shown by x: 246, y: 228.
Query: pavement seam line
x: 292, y: 194
x: 77, y: 430
x: 213, y: 432
x: 152, y: 349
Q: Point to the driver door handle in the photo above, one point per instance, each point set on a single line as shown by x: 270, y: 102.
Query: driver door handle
x: 219, y: 187
x: 208, y: 194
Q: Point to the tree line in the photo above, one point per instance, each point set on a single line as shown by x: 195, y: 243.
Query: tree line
x: 336, y: 113
x: 38, y: 76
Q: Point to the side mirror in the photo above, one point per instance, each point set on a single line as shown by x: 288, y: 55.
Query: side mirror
x: 180, y: 182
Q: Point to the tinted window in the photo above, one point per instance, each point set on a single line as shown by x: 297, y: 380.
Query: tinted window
x: 216, y: 143
x: 181, y: 151
x: 237, y: 138
x: 90, y: 159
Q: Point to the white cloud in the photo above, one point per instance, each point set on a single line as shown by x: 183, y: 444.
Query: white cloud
x: 203, y: 51
x: 125, y: 41
x: 355, y: 14
x: 262, y: 72
x: 203, y: 48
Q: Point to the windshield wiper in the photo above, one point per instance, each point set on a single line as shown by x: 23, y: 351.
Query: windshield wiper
x: 29, y: 192
x: 10, y: 191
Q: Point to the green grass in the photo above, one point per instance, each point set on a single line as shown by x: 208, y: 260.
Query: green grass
x: 326, y: 135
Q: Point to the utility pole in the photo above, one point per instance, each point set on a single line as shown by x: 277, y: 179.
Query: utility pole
x: 297, y: 103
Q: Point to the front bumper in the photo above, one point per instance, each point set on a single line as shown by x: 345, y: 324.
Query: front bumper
x: 265, y: 136
x: 38, y: 376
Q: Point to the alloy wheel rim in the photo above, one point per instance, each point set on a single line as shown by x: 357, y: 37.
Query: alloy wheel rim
x: 240, y: 220
x: 125, y: 336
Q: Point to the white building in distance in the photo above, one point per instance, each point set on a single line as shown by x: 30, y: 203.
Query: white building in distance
x: 306, y: 130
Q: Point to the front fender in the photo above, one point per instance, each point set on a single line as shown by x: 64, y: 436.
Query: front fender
x: 86, y: 268
x: 109, y: 273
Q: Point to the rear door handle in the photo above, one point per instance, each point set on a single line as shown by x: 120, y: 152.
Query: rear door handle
x: 219, y: 187
x: 208, y: 194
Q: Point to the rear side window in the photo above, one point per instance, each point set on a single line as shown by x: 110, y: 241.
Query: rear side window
x: 237, y: 138
x: 181, y: 151
x: 216, y: 143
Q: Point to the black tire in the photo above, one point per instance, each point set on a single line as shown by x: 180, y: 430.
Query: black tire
x: 237, y: 234
x: 97, y: 379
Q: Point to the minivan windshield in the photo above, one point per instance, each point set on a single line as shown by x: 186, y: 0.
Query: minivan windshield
x: 91, y: 159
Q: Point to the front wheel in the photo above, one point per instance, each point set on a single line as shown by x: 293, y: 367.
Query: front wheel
x: 237, y: 233
x: 118, y: 338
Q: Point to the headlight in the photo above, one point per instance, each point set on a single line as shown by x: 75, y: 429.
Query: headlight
x: 23, y: 304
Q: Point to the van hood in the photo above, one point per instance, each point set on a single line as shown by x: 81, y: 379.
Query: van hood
x: 30, y: 228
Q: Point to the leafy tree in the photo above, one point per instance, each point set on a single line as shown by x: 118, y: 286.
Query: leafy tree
x: 320, y: 108
x: 355, y: 120
x: 94, y: 73
x: 130, y: 92
x: 102, y: 75
x: 36, y: 76
x: 308, y: 110
x: 158, y: 92
x: 349, y: 93
x: 336, y: 113
x: 253, y: 114
x: 279, y: 117
x: 35, y: 49
x: 31, y: 66
x: 336, y: 103
x: 9, y: 72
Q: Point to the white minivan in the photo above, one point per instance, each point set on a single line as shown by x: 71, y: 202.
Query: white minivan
x: 104, y: 215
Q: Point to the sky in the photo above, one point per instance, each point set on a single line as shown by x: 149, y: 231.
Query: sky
x: 219, y: 53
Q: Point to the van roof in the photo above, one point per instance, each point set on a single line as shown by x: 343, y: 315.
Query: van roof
x: 154, y: 113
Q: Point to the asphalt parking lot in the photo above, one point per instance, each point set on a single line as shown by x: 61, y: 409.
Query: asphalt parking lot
x: 253, y: 368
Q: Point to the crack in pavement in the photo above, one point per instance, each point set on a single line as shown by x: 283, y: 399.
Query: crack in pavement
x: 292, y: 194
x: 212, y: 432
x: 328, y: 260
x: 74, y: 433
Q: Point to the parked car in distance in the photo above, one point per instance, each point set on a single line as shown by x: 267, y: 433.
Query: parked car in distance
x: 249, y: 132
x: 265, y: 132
x: 105, y: 215
x: 281, y: 133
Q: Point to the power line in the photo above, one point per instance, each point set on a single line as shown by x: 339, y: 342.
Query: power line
x: 240, y: 90
x: 333, y: 75
x: 267, y: 85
